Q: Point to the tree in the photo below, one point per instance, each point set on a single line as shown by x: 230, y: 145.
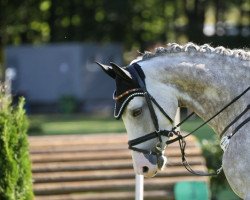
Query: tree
x: 15, y: 173
x: 135, y: 23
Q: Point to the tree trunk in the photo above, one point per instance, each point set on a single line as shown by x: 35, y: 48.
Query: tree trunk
x: 52, y: 19
x: 2, y: 34
x: 196, y: 18
x: 1, y: 59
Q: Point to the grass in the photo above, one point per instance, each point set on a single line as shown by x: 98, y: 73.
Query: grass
x: 72, y: 124
x: 82, y: 124
x: 204, y: 132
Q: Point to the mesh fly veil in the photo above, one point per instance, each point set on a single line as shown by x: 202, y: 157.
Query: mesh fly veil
x: 126, y: 91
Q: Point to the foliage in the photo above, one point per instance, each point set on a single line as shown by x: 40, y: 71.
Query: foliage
x: 136, y: 23
x: 213, y: 155
x: 219, y: 186
x: 67, y: 104
x: 15, y: 173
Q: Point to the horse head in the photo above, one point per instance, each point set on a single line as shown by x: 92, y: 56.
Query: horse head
x: 147, y: 109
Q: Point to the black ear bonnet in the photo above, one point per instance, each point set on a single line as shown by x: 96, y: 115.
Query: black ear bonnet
x: 125, y: 91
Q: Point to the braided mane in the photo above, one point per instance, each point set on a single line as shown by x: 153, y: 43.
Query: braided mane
x: 191, y: 47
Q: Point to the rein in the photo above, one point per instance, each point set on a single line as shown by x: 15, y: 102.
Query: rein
x: 142, y: 91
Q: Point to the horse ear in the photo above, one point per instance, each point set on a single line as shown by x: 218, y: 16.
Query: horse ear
x: 107, y: 69
x: 124, y: 74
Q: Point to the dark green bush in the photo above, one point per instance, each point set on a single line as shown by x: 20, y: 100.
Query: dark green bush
x: 67, y: 104
x: 218, y: 184
x: 15, y: 165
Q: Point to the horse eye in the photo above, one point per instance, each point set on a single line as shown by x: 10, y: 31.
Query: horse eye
x: 137, y: 112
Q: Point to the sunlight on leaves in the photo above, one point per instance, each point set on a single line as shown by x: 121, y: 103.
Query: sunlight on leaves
x: 45, y: 5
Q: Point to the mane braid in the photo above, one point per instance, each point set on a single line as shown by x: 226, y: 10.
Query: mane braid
x: 191, y: 47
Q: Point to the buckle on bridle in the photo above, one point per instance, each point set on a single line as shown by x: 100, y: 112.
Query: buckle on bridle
x: 160, y: 147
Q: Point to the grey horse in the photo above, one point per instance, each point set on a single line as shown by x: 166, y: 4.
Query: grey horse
x: 201, y: 78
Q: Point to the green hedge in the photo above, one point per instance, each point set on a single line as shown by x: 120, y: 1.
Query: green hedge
x: 15, y: 165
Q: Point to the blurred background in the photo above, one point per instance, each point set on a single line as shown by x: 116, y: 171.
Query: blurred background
x: 48, y: 49
x: 51, y: 45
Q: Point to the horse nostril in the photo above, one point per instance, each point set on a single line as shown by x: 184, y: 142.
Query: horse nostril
x: 145, y: 169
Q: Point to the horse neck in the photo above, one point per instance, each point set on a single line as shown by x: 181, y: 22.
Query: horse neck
x: 204, y: 83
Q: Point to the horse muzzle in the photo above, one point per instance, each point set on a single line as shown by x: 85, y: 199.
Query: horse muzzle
x: 148, y: 164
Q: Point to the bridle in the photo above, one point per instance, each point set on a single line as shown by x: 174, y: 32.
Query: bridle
x: 142, y: 91
x: 159, y: 147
